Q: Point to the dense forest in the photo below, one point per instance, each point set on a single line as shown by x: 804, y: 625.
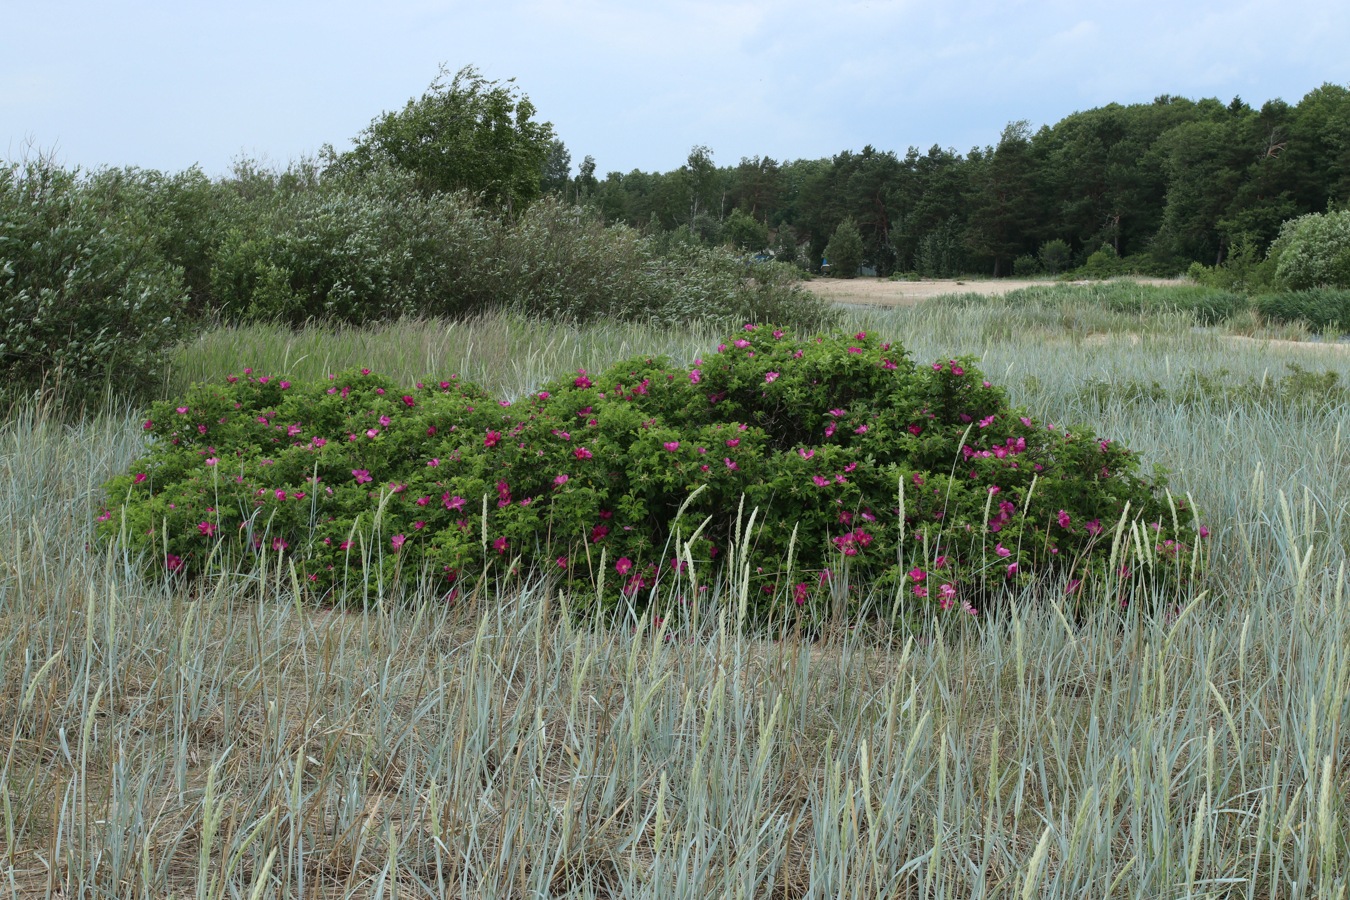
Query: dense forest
x: 1158, y: 185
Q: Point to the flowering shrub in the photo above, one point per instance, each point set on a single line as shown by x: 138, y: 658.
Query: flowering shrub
x: 864, y: 469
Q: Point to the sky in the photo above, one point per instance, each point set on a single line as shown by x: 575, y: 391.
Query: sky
x: 168, y: 85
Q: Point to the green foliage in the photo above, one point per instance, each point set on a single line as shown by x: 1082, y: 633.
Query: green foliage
x: 1102, y: 263
x: 1027, y: 266
x: 1313, y: 251
x: 557, y: 171
x: 353, y: 250
x: 845, y: 250
x: 87, y: 300
x: 842, y: 456
x: 1321, y: 308
x: 184, y: 216
x: 744, y: 232
x: 1004, y: 200
x: 1244, y: 270
x: 1165, y: 183
x: 584, y: 185
x: 560, y: 263
x: 465, y: 133
x: 1201, y: 159
x: 1054, y: 256
x: 356, y: 250
x: 1209, y: 305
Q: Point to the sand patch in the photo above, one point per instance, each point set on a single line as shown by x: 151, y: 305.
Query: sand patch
x: 884, y: 292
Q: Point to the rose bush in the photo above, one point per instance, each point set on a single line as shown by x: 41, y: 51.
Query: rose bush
x: 634, y: 485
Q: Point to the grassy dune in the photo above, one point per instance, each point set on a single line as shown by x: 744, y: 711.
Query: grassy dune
x: 233, y: 740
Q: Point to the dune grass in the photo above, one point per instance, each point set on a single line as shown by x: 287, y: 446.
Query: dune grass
x: 504, y: 353
x: 232, y: 739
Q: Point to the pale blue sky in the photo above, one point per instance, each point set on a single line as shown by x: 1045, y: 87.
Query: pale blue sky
x: 166, y: 85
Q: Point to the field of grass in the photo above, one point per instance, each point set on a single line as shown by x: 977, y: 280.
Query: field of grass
x: 233, y: 740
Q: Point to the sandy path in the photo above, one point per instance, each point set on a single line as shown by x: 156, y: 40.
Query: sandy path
x: 883, y: 292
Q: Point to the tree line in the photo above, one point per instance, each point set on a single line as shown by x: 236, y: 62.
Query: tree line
x: 1145, y: 187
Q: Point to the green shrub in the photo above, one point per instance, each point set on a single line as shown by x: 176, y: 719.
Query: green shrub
x: 184, y: 215
x: 1313, y: 251
x: 744, y: 232
x: 353, y: 251
x: 87, y: 302
x: 1103, y: 263
x: 1321, y: 308
x: 561, y: 263
x: 1027, y: 266
x: 848, y: 464
x: 356, y: 250
x: 1245, y: 270
x: 1055, y: 256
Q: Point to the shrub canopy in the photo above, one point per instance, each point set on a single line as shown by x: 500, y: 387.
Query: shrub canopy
x: 85, y: 294
x: 369, y: 249
x: 1313, y: 251
x: 809, y: 462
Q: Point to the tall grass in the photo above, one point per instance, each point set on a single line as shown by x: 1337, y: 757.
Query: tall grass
x: 233, y: 740
x: 504, y: 353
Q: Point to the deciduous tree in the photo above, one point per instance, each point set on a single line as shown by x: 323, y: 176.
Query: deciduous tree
x: 465, y: 133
